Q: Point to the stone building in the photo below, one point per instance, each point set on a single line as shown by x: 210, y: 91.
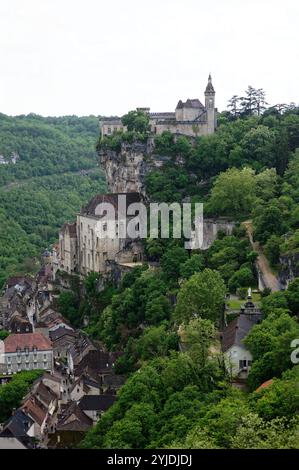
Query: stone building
x: 26, y: 352
x: 190, y: 118
x: 87, y: 244
x: 237, y: 357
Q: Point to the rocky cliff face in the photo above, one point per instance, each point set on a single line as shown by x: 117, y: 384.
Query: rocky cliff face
x: 126, y: 169
x: 289, y: 268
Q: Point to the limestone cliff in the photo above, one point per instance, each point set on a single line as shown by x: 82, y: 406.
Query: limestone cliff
x: 126, y: 169
x: 289, y: 268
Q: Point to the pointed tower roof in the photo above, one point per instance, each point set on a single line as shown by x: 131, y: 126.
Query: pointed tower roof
x: 210, y: 88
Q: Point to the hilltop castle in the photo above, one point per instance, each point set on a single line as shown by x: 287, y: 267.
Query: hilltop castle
x: 190, y: 118
x: 80, y: 250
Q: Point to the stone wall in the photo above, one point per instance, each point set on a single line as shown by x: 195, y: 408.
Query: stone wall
x: 211, y: 228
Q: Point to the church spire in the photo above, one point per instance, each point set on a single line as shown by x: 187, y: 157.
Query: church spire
x: 210, y: 88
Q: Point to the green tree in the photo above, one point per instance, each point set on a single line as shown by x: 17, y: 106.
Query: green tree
x: 12, y: 393
x: 256, y: 433
x: 201, y: 296
x: 233, y: 193
x: 191, y: 266
x: 292, y: 295
x: 270, y: 345
x: 172, y: 260
x: 197, y: 337
x: 136, y: 121
x: 241, y: 278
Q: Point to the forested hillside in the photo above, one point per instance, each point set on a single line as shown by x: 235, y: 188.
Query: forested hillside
x: 56, y: 173
x: 167, y: 319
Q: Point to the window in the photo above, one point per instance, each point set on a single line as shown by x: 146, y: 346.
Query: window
x: 249, y: 363
x: 242, y: 363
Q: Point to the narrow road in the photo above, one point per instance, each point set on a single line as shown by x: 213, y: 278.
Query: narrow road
x: 265, y: 272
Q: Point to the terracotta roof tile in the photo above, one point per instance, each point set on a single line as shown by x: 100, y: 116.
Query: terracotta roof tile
x: 264, y: 385
x: 27, y: 340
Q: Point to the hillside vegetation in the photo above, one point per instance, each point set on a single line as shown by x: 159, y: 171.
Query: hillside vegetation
x: 55, y: 175
x: 165, y: 319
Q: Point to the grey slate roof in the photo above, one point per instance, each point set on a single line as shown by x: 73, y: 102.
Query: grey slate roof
x: 96, y: 402
x: 17, y: 425
x: 236, y: 331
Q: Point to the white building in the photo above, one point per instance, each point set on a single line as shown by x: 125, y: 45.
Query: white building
x: 238, y: 357
x: 28, y: 351
x: 87, y: 245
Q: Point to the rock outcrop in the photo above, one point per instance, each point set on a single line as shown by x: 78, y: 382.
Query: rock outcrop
x: 126, y: 169
x: 289, y: 268
x: 126, y: 172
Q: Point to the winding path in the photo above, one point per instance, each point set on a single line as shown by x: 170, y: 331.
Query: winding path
x: 266, y: 276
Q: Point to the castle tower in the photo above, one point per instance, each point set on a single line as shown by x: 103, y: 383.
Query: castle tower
x: 210, y: 106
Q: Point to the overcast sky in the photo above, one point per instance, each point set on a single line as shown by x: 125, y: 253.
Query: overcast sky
x: 106, y: 57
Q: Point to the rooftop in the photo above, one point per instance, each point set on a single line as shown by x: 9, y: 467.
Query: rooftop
x: 73, y: 419
x: 96, y: 402
x: 27, y: 340
x: 18, y: 425
x: 91, y: 207
x: 190, y: 103
x: 236, y: 331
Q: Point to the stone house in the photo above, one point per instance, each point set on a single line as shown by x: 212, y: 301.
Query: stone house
x: 27, y: 351
x: 95, y: 405
x: 88, y: 244
x: 72, y: 424
x: 238, y: 358
x: 38, y: 412
x: 84, y: 385
x: 17, y: 432
x: 62, y: 338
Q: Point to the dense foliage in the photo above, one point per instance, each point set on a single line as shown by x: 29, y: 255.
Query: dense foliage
x: 56, y: 174
x: 165, y: 316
